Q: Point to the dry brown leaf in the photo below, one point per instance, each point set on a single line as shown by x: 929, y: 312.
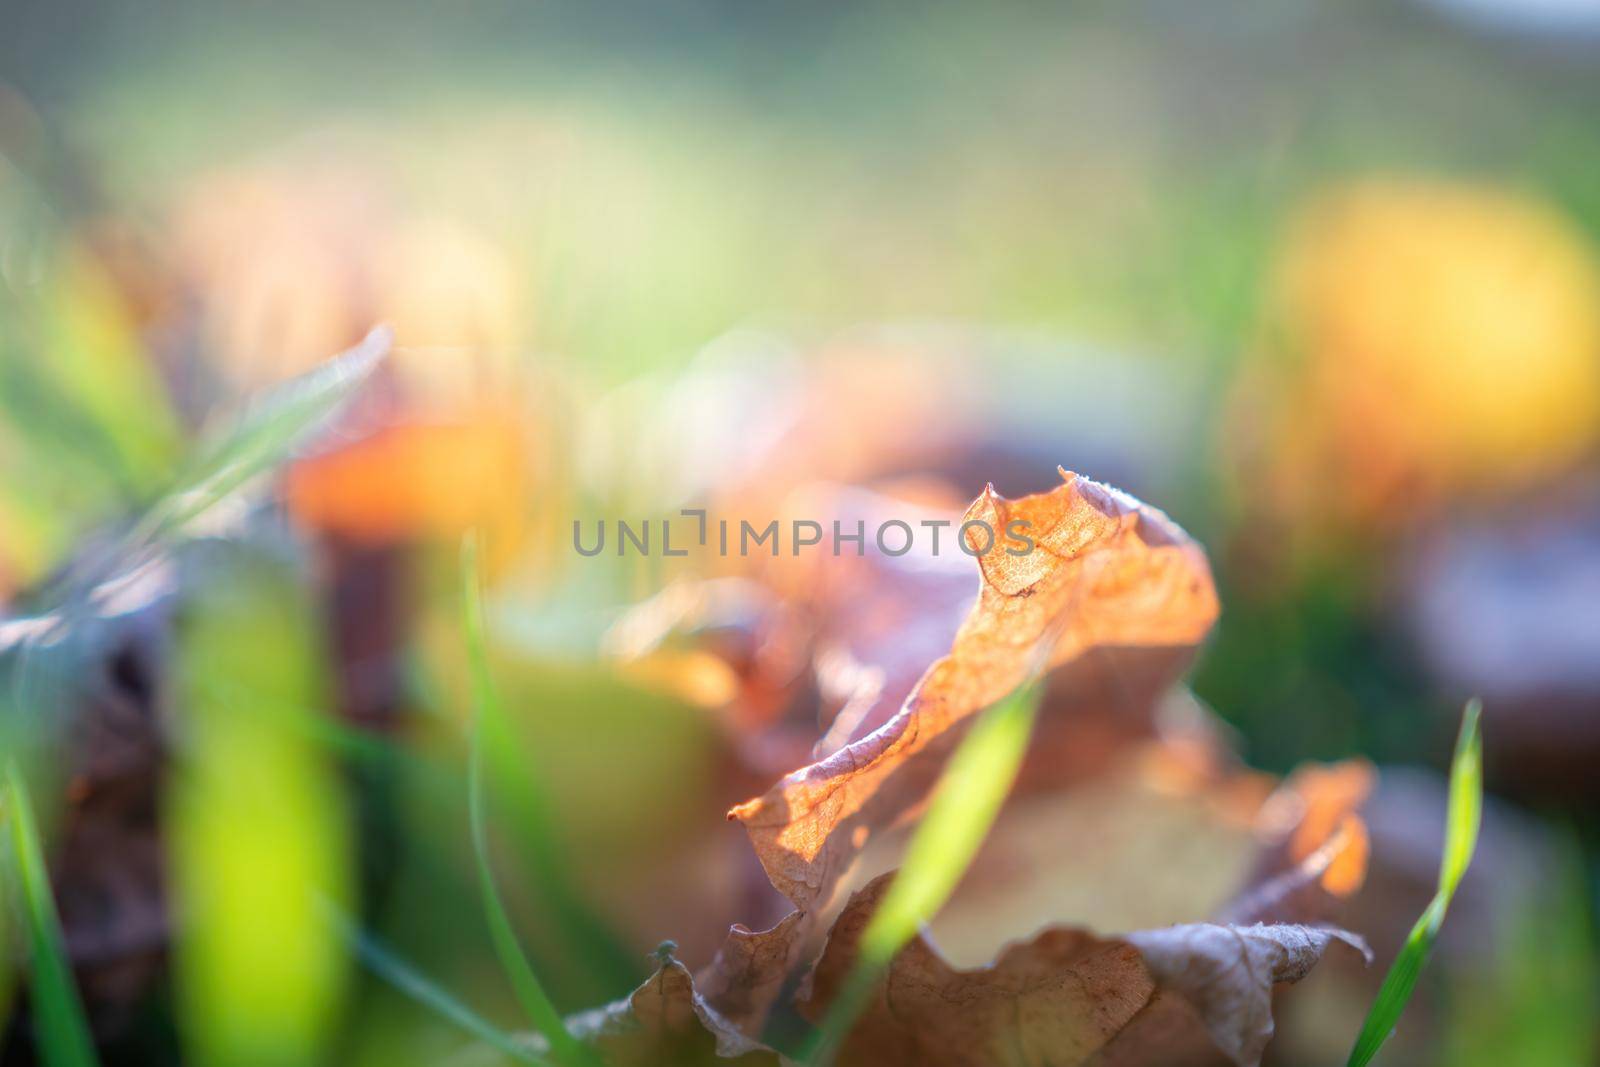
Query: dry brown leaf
x: 1151, y: 999
x: 1122, y: 593
x: 666, y: 1020
x: 1065, y: 996
x: 1227, y: 973
x: 1123, y: 597
x: 1167, y: 1032
x: 744, y: 979
x: 1110, y: 577
x: 1163, y: 834
x: 1053, y: 999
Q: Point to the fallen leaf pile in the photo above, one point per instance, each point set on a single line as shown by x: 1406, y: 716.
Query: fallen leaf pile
x: 1112, y: 605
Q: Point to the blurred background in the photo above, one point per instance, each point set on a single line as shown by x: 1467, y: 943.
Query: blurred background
x: 1320, y: 280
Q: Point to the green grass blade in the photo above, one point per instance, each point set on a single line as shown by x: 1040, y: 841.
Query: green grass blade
x: 1465, y: 808
x: 965, y: 803
x: 388, y: 965
x: 64, y: 1039
x: 256, y: 820
x: 8, y: 945
x: 1462, y: 819
x: 263, y: 435
x: 486, y: 708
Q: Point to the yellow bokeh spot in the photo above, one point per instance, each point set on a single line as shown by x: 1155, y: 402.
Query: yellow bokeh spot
x: 1450, y: 337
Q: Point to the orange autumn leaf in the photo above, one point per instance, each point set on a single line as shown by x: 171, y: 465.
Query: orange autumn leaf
x: 1120, y: 597
x: 1113, y: 590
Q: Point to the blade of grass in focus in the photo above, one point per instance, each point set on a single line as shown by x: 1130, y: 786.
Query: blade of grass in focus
x: 1460, y: 838
x: 486, y: 709
x: 64, y: 1039
x: 388, y: 965
x: 965, y: 803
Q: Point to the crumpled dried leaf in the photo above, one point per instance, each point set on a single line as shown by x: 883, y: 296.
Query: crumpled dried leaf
x: 1066, y: 996
x: 744, y: 979
x: 666, y: 1020
x: 1171, y: 830
x: 1054, y: 999
x: 1124, y: 594
x: 1227, y: 973
x: 1121, y: 597
x: 1119, y: 591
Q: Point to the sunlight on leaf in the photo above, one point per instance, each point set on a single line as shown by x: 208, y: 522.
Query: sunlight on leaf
x: 1461, y: 837
x: 1115, y: 591
x: 486, y: 707
x: 964, y: 806
x: 64, y: 1039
